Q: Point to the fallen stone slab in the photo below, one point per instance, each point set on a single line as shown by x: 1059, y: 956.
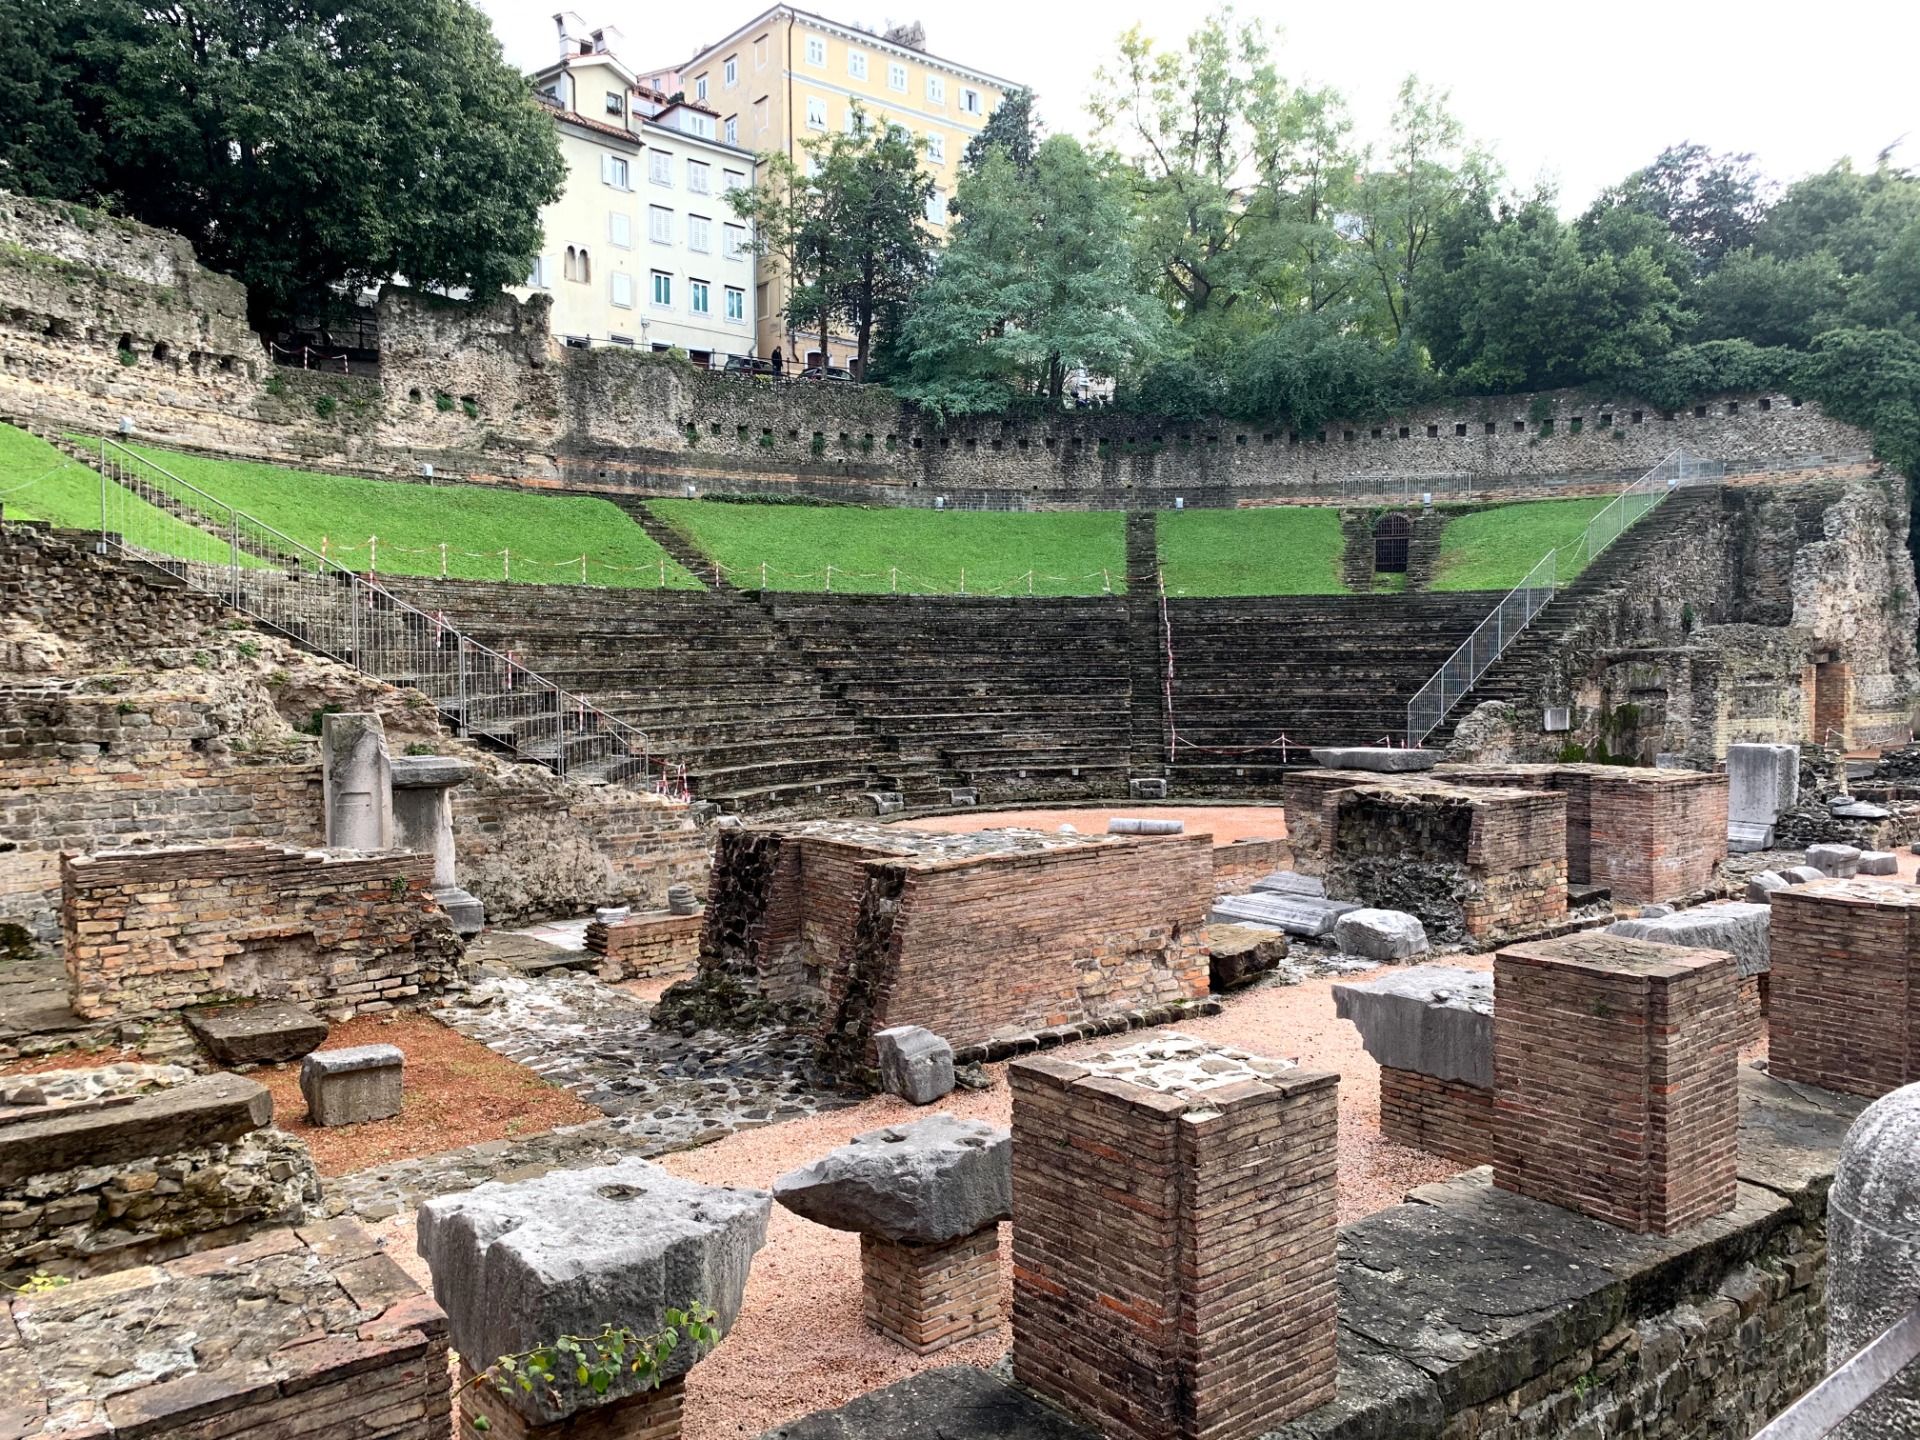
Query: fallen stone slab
x: 352, y: 1086
x: 925, y: 1183
x: 1860, y: 810
x: 1375, y: 757
x: 1841, y: 862
x: 1238, y: 955
x: 1380, y: 934
x: 1762, y: 883
x: 1878, y: 862
x: 1432, y: 1020
x: 516, y: 1265
x: 1802, y: 874
x: 915, y: 1063
x: 1738, y: 927
x: 1290, y: 882
x: 1746, y: 836
x: 1309, y: 915
x: 1137, y: 825
x: 210, y: 1110
x: 258, y: 1034
x: 1652, y: 912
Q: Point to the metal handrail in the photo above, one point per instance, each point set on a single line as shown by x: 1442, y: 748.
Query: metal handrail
x: 259, y: 558
x: 1857, y: 1380
x: 1462, y: 670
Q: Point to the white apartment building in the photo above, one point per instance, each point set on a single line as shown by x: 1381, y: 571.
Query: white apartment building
x: 641, y: 248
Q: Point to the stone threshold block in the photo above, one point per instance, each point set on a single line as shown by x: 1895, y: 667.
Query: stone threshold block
x: 1616, y: 1079
x: 927, y: 1297
x: 352, y: 1086
x: 210, y: 1110
x: 270, y: 1034
x: 647, y: 1415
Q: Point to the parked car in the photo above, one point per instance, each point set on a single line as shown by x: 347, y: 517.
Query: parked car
x: 747, y: 365
x: 828, y: 372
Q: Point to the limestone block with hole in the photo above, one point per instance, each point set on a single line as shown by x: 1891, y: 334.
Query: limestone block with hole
x: 1838, y: 862
x: 919, y: 1184
x: 915, y: 1063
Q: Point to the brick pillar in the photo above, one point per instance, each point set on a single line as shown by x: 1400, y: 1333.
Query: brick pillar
x: 927, y: 1297
x: 650, y: 1415
x: 1844, y: 1001
x: 1449, y: 1118
x: 1173, y: 1239
x: 1615, y: 1078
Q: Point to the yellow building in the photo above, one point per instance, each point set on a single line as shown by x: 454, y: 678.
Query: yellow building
x: 787, y: 76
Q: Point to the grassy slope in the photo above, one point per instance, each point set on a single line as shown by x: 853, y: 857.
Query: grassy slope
x: 1070, y: 552
x: 1281, y: 550
x: 1494, y: 549
x: 37, y: 482
x: 546, y: 533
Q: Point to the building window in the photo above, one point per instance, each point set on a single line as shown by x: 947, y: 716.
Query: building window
x: 760, y: 113
x: 937, y: 207
x: 620, y: 231
x: 697, y: 297
x: 936, y: 147
x: 660, y: 167
x: 613, y: 171
x: 578, y: 266
x: 969, y: 101
x: 736, y: 304
x: 897, y: 78
x: 699, y: 177
x: 900, y: 133
x: 816, y: 50
x: 615, y: 106
x: 856, y: 120
x: 730, y: 129
x: 760, y: 298
x: 699, y: 233
x: 700, y: 87
x: 735, y: 237
x: 621, y: 339
x: 816, y: 114
x: 733, y: 180
x: 762, y: 50
x: 857, y: 64
x: 937, y: 89
x: 539, y: 277
x: 663, y: 289
x: 623, y: 291
x: 730, y: 71
x: 660, y: 224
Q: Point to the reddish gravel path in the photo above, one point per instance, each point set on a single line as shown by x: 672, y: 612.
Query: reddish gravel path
x: 1226, y: 823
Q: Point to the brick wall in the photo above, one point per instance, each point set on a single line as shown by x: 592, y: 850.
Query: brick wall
x: 648, y: 945
x: 1615, y: 1065
x: 151, y: 931
x: 1238, y: 865
x: 927, y: 1297
x: 1844, y: 1007
x: 1445, y: 1117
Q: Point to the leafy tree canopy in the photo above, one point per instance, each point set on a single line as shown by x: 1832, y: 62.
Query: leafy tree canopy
x: 1012, y: 128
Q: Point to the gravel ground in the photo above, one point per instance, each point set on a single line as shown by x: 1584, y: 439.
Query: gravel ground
x: 801, y: 1345
x: 1226, y: 823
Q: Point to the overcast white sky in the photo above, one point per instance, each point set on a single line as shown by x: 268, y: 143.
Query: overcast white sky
x: 1581, y: 93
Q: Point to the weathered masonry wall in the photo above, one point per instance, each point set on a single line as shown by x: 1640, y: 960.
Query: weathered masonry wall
x: 148, y: 931
x: 76, y: 283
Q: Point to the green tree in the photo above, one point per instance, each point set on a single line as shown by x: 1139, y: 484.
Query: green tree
x: 1771, y: 301
x: 1710, y: 203
x: 301, y: 145
x: 1013, y: 127
x: 46, y: 148
x: 1036, y: 280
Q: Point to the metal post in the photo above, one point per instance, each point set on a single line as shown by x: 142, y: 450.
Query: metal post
x: 233, y: 554
x: 460, y: 691
x: 353, y: 619
x: 103, y: 494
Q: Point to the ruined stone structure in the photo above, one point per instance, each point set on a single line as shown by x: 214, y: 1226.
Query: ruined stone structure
x: 1205, y: 1304
x: 1845, y: 1000
x: 977, y: 937
x: 1431, y: 1030
x: 150, y: 931
x: 1615, y: 1079
x: 647, y: 945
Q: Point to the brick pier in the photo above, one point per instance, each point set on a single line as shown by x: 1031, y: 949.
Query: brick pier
x: 928, y: 1297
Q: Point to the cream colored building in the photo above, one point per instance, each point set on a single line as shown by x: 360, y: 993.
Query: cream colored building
x: 641, y: 248
x: 787, y: 76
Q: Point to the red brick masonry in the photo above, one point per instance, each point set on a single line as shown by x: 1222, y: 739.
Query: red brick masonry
x: 644, y: 946
x: 1173, y: 1246
x: 650, y: 1415
x: 1845, y: 988
x: 1615, y: 1078
x: 1444, y: 1117
x: 928, y: 1297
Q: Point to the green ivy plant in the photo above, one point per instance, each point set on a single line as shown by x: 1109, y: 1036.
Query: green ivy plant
x: 594, y: 1362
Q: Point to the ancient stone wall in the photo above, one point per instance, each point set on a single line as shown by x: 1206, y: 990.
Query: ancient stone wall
x: 149, y: 931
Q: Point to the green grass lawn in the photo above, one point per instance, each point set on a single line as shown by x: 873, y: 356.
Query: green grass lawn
x: 546, y: 534
x: 1494, y: 549
x: 1278, y: 550
x: 37, y: 482
x: 1068, y: 552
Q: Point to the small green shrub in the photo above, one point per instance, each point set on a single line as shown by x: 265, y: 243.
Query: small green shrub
x: 766, y: 442
x: 128, y: 358
x: 472, y: 408
x: 276, y: 387
x: 324, y: 407
x: 442, y: 401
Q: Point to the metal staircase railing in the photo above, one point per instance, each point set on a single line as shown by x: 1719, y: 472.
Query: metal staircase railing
x: 150, y: 514
x: 1462, y: 670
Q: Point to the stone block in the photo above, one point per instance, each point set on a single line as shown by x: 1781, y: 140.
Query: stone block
x: 352, y: 1086
x: 210, y: 1110
x: 612, y: 914
x: 1380, y: 758
x: 1238, y: 955
x: 1432, y: 1020
x: 1762, y: 781
x: 1803, y: 875
x: 963, y: 795
x: 1136, y: 825
x: 927, y: 1183
x: 1380, y: 935
x: 356, y: 782
x: 1290, y: 882
x: 1878, y: 862
x: 1147, y: 787
x: 1762, y: 883
x: 681, y: 900
x: 1836, y: 862
x: 1738, y: 927
x: 915, y: 1063
x: 257, y: 1034
x: 1309, y: 915
x: 464, y: 909
x: 1744, y: 837
x: 515, y: 1265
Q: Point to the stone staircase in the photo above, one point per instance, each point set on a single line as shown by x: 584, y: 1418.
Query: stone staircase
x: 1146, y: 647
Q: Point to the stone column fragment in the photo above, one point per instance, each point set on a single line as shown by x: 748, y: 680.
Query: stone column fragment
x: 423, y: 820
x: 356, y: 782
